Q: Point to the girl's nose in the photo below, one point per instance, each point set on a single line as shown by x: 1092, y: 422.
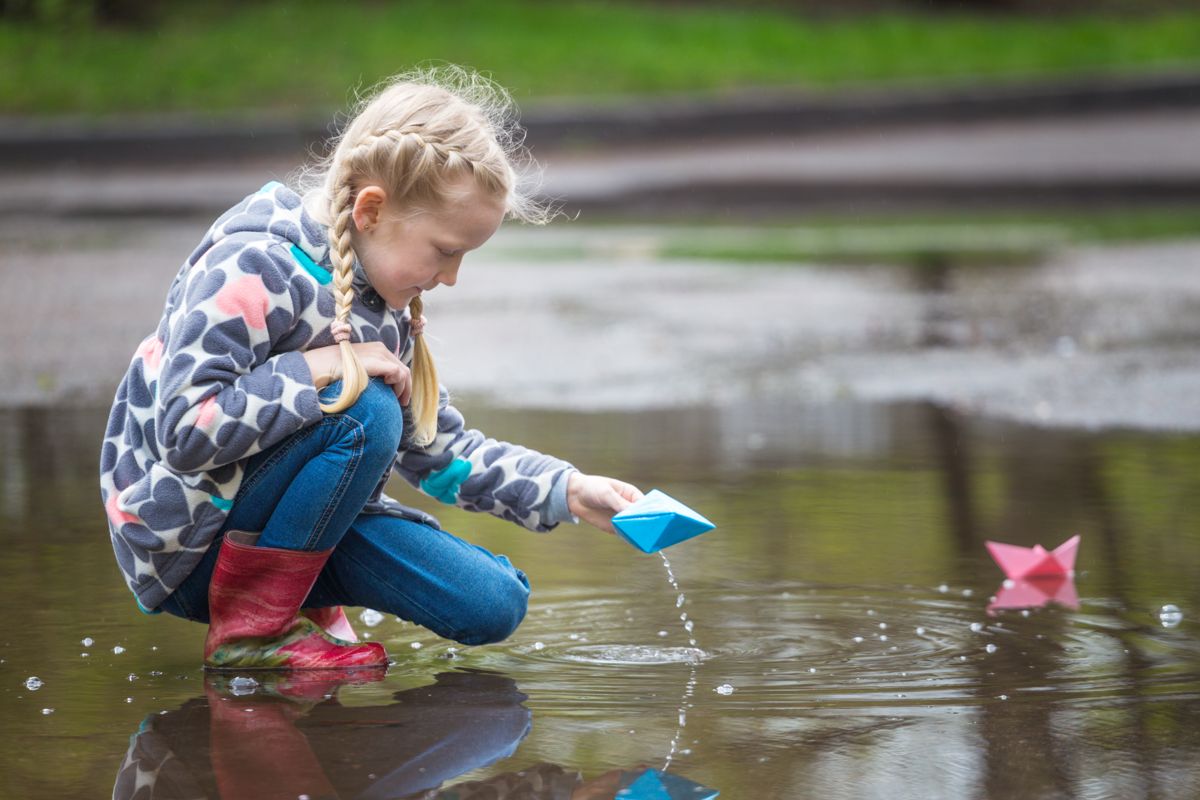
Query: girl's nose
x: 449, y: 276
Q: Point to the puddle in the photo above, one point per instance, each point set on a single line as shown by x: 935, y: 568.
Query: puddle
x: 844, y: 617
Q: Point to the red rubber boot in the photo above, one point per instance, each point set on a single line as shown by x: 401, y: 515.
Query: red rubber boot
x: 254, y: 600
x: 334, y: 622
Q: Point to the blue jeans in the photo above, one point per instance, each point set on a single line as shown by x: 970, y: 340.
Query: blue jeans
x: 307, y: 492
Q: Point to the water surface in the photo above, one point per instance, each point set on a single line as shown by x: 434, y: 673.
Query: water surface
x: 844, y: 646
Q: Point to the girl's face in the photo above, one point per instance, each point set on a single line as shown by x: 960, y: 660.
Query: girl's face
x: 407, y: 253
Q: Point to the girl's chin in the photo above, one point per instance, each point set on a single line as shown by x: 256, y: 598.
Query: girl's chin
x: 402, y: 299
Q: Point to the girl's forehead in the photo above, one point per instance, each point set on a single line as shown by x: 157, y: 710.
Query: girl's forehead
x: 469, y: 220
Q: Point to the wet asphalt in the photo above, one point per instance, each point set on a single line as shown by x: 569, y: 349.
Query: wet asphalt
x: 1088, y: 336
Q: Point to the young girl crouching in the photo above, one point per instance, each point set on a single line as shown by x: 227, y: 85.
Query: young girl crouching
x: 243, y: 466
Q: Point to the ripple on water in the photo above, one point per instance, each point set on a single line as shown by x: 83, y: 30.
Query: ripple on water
x: 628, y: 654
x: 825, y: 647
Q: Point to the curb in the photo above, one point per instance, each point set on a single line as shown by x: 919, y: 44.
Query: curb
x: 190, y: 139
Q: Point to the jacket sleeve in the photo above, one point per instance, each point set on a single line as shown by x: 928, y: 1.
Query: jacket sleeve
x: 463, y: 467
x: 221, y: 395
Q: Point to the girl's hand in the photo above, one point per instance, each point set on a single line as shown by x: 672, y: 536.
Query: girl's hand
x: 595, y: 499
x: 325, y: 364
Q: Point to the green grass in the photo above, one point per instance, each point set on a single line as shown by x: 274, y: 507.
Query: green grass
x: 304, y: 57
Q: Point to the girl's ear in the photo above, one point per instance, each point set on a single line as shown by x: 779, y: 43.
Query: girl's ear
x: 368, y: 207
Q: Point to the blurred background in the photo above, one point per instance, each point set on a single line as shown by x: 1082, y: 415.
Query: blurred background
x: 866, y: 283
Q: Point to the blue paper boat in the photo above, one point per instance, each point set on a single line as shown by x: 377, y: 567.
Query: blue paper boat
x: 655, y: 785
x: 657, y: 521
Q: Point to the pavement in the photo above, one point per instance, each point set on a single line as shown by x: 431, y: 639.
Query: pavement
x: 1114, y: 141
x: 1119, y: 159
x: 1088, y: 337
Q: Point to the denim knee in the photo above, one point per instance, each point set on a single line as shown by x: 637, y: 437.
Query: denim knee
x: 378, y: 410
x: 498, y: 607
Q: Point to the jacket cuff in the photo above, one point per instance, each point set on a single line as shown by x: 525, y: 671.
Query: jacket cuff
x: 557, y: 510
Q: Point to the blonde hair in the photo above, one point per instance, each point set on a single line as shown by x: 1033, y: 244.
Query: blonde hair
x: 415, y: 135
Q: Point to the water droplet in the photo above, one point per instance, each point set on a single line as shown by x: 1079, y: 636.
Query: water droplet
x: 679, y: 601
x: 241, y: 686
x: 812, y: 670
x: 991, y: 648
x: 663, y: 633
x: 128, y: 699
x: 883, y: 637
x: 33, y: 683
x: 131, y: 677
x: 724, y: 689
x: 84, y: 654
x: 976, y: 627
x: 1170, y: 616
x: 1003, y: 697
x: 943, y: 588
x: 574, y: 636
x: 883, y: 626
x: 858, y: 640
x: 688, y: 626
x: 88, y: 641
x: 1024, y: 612
x: 415, y: 645
x: 118, y: 650
x: 370, y: 617
x: 920, y: 631
x: 870, y: 612
x: 539, y: 646
x: 47, y: 712
x: 967, y: 592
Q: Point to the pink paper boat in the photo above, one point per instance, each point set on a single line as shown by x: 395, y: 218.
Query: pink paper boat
x: 1035, y: 593
x: 1032, y: 562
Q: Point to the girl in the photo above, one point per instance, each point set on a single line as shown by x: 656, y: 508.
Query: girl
x: 243, y: 466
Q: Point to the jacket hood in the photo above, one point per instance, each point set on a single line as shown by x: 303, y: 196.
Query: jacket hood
x: 279, y: 210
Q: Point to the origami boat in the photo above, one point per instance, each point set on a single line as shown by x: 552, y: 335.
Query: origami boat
x: 1035, y: 562
x: 657, y: 521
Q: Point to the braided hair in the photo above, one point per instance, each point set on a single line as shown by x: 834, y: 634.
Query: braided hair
x: 414, y: 136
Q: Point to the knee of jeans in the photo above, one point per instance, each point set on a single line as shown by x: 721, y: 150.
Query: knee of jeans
x: 498, y: 609
x: 378, y: 409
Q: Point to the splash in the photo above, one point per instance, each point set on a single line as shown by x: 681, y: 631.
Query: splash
x: 690, y: 688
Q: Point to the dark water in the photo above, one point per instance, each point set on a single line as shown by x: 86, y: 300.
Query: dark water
x: 844, y: 645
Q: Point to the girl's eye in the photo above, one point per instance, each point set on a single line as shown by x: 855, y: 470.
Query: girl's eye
x: 446, y: 253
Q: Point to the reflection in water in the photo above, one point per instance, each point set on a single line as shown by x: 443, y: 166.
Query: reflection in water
x: 288, y: 736
x: 1029, y: 593
x: 292, y: 738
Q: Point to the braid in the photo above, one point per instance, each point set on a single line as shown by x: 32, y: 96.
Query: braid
x: 424, y: 403
x: 413, y: 153
x: 354, y: 375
